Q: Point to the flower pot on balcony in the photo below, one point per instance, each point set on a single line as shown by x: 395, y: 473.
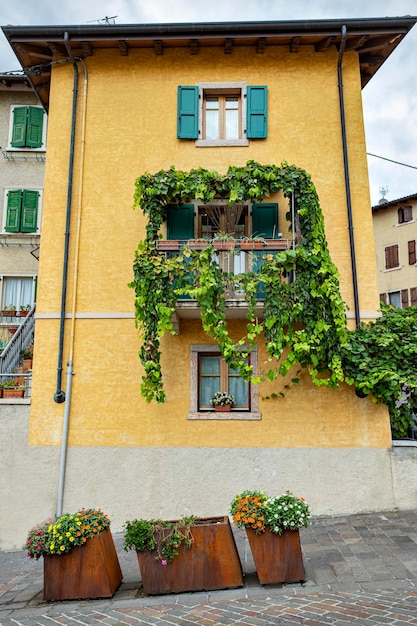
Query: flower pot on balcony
x: 278, y: 558
x: 8, y: 313
x: 168, y: 245
x: 212, y: 562
x: 224, y: 245
x: 88, y: 571
x: 195, y: 244
x: 13, y: 392
x: 12, y: 330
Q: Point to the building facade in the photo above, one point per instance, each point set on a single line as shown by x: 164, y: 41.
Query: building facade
x: 123, y: 101
x: 395, y: 233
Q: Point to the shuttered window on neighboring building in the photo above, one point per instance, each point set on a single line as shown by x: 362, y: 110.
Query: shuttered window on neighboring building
x: 405, y: 214
x: 22, y: 211
x: 391, y: 257
x: 413, y: 296
x: 412, y: 252
x: 383, y: 297
x: 27, y: 127
x: 404, y: 298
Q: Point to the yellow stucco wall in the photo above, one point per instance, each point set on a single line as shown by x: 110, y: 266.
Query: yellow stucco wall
x: 130, y: 128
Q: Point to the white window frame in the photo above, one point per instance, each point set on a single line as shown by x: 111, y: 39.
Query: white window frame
x: 18, y: 304
x: 11, y: 148
x: 195, y: 414
x: 208, y: 143
x: 39, y: 216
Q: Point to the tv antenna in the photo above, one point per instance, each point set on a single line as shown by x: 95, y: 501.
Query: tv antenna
x: 105, y: 20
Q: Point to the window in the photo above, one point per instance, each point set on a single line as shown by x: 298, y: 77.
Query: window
x: 405, y: 214
x: 398, y: 298
x: 413, y: 296
x: 22, y: 211
x: 18, y: 292
x: 27, y: 128
x: 412, y: 252
x: 392, y: 257
x: 210, y: 373
x: 222, y: 114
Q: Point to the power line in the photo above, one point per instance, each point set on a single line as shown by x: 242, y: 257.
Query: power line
x: 413, y: 167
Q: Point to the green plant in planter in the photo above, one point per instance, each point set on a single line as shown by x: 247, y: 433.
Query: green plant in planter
x: 162, y: 537
x: 222, y: 398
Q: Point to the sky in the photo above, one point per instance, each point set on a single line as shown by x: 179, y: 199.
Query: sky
x: 389, y: 99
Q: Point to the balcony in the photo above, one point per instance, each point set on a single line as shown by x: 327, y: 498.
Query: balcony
x: 235, y: 256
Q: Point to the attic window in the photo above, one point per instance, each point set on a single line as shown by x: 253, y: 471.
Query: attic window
x: 405, y: 214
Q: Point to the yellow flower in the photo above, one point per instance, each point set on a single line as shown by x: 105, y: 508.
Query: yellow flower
x: 62, y: 548
x: 52, y: 546
x: 68, y: 535
x: 71, y: 538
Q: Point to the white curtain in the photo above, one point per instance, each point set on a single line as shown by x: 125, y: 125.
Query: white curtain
x: 17, y: 292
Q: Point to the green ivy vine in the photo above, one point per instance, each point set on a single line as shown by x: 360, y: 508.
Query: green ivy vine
x: 304, y: 319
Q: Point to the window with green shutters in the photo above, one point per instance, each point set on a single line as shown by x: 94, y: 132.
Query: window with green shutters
x: 217, y: 114
x: 27, y: 127
x: 22, y: 211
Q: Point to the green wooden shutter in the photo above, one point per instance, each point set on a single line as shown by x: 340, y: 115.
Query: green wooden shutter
x: 187, y: 123
x: 180, y: 221
x: 14, y: 200
x: 265, y: 225
x: 29, y: 215
x: 265, y: 220
x: 19, y: 127
x: 34, y: 127
x: 256, y: 112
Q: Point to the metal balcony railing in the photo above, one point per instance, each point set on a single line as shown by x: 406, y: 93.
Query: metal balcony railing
x: 22, y: 337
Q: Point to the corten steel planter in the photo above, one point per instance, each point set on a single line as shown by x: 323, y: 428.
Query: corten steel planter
x: 212, y: 562
x: 86, y: 572
x: 278, y: 558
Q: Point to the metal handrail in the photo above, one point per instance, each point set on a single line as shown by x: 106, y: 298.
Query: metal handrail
x: 23, y: 337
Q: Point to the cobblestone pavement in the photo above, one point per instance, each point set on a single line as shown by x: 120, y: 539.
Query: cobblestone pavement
x: 360, y: 569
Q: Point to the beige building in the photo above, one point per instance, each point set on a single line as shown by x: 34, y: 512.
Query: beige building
x: 22, y: 168
x: 395, y: 234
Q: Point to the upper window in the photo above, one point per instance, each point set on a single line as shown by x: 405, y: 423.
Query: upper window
x: 22, y: 211
x: 18, y: 292
x: 392, y: 257
x: 222, y: 114
x: 412, y: 252
x: 405, y: 214
x: 27, y: 128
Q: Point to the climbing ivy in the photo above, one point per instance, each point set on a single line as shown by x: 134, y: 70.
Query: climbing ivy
x: 304, y: 319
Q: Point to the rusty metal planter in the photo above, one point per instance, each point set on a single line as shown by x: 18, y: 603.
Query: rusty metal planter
x: 212, y: 562
x: 278, y: 558
x: 88, y: 571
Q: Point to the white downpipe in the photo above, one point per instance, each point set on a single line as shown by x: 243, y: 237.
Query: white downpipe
x: 70, y: 372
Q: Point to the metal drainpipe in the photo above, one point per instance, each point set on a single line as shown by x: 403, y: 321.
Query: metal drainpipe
x: 347, y: 182
x: 59, y: 395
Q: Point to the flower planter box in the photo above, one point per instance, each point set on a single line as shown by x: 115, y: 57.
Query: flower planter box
x: 278, y: 558
x: 212, y: 562
x: 13, y: 393
x: 224, y: 245
x: 86, y: 572
x: 268, y: 244
x: 9, y: 313
x: 197, y: 245
x: 222, y: 408
x: 167, y: 245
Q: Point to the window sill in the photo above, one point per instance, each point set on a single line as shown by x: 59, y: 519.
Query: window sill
x: 225, y: 143
x: 399, y: 224
x: 226, y: 415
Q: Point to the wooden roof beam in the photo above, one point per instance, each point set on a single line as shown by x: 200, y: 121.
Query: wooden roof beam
x: 324, y: 44
x: 228, y: 46
x: 123, y: 49
x: 295, y: 44
x: 159, y: 46
x: 194, y: 46
x: 261, y: 45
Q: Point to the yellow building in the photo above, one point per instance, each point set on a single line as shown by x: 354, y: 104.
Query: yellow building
x: 126, y: 100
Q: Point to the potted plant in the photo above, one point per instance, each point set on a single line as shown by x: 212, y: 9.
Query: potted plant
x: 272, y: 526
x: 24, y: 310
x: 224, y: 241
x: 222, y: 401
x: 9, y: 310
x: 14, y: 388
x: 189, y: 554
x: 27, y: 358
x: 80, y: 559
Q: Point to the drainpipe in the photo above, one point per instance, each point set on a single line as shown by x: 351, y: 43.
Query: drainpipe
x: 59, y: 396
x: 347, y: 182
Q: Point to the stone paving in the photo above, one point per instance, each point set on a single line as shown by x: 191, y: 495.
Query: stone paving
x: 360, y: 569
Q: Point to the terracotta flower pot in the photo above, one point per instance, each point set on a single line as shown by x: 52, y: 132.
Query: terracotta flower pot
x: 212, y: 562
x: 222, y: 407
x: 278, y: 558
x: 88, y: 571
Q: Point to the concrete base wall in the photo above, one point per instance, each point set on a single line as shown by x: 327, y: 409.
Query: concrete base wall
x: 169, y: 482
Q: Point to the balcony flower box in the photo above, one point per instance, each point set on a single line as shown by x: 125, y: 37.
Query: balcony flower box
x: 168, y: 245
